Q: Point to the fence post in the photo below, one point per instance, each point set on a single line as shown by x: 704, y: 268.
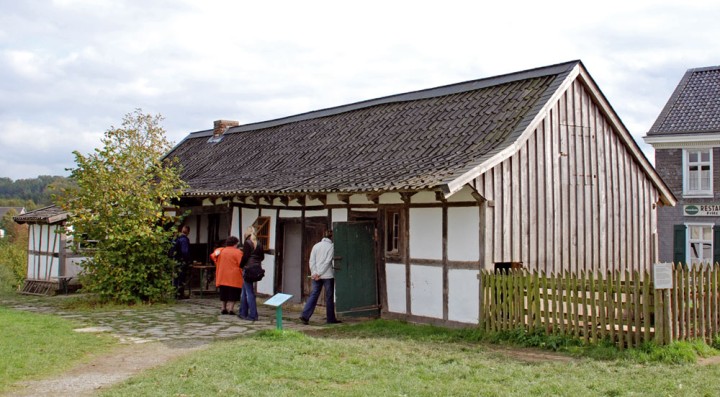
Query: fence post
x: 646, y: 306
x: 659, y: 318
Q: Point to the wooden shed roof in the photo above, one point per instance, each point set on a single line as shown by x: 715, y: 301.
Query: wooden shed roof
x: 430, y: 139
x: 49, y: 215
x: 694, y: 106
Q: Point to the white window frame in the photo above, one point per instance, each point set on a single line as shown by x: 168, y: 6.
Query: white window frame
x: 686, y: 172
x: 689, y: 240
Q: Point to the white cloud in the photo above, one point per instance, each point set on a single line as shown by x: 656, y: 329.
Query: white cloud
x: 72, y: 68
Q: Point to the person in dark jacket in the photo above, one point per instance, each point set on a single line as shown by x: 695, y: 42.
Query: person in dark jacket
x: 181, y: 255
x: 253, y: 255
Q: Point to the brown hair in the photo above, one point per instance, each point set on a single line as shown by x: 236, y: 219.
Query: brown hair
x: 232, y: 241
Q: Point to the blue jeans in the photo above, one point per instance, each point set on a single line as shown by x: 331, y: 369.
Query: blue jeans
x: 248, y: 306
x: 317, y: 286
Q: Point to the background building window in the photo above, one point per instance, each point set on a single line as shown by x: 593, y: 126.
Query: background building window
x: 700, y: 244
x: 698, y: 172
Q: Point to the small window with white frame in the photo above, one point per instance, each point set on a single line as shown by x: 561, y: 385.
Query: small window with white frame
x: 697, y: 172
x: 700, y: 244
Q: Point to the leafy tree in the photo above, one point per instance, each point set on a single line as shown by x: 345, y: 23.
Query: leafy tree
x: 13, y: 252
x: 117, y: 202
x: 38, y: 190
x: 14, y: 232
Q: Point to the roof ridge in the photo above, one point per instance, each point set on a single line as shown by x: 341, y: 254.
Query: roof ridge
x: 443, y: 90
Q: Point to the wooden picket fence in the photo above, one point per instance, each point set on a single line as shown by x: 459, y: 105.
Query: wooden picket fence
x: 623, y: 307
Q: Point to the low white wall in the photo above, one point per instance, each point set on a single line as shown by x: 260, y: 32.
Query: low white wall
x: 265, y: 286
x: 463, y: 295
x: 395, y: 279
x: 426, y: 291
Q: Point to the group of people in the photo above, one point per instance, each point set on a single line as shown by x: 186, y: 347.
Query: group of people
x: 230, y: 262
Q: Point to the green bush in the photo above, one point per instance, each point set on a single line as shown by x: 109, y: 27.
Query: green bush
x: 13, y: 265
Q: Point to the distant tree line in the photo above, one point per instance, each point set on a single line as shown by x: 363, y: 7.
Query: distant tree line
x: 31, y: 193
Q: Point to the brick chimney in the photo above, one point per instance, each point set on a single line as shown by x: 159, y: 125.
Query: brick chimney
x: 220, y: 126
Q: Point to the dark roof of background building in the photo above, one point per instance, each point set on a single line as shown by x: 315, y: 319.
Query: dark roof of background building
x: 406, y: 142
x: 49, y: 215
x: 5, y: 210
x: 694, y: 106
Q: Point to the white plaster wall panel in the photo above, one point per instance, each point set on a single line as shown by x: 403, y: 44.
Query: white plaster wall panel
x: 309, y: 214
x: 235, y: 222
x: 272, y: 214
x: 463, y: 234
x: 359, y: 199
x: 462, y: 196
x: 463, y: 296
x: 32, y: 267
x: 34, y: 239
x: 426, y: 292
x: 47, y: 238
x: 333, y: 199
x: 191, y: 222
x: 290, y: 214
x: 423, y: 197
x: 265, y: 286
x: 57, y: 237
x: 46, y: 269
x: 426, y: 233
x: 247, y: 217
x: 204, y: 226
x: 395, y: 278
x: 312, y: 202
x: 390, y: 198
x: 339, y: 215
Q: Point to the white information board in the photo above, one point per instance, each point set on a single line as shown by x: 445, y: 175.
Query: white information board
x: 278, y: 299
x: 663, y: 275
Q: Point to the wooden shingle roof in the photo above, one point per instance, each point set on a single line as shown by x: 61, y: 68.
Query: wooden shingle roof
x: 694, y: 106
x: 407, y: 142
x: 48, y: 215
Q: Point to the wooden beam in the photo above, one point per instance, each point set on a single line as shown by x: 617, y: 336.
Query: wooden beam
x: 284, y: 200
x: 345, y: 198
x: 321, y: 197
x: 405, y: 196
x: 374, y: 197
x: 440, y: 196
x: 478, y: 197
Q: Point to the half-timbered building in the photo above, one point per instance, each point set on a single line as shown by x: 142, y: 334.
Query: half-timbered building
x: 424, y: 189
x: 51, y: 264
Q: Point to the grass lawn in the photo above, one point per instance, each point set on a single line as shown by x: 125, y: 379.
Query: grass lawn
x: 35, y: 345
x: 360, y: 361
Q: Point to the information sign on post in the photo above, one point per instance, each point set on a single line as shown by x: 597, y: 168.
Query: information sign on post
x: 663, y: 275
x: 277, y: 301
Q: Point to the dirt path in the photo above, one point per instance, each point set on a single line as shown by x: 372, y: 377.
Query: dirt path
x: 106, y: 370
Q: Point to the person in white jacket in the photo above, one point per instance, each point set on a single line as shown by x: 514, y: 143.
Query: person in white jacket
x: 323, y: 276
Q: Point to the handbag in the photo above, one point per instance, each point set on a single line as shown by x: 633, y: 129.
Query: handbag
x: 253, y: 273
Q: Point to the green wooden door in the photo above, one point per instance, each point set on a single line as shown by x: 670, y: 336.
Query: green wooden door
x: 356, y: 292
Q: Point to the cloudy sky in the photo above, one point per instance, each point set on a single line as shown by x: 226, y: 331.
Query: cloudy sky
x: 70, y: 69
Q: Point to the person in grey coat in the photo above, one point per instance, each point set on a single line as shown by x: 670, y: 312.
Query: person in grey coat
x: 323, y: 276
